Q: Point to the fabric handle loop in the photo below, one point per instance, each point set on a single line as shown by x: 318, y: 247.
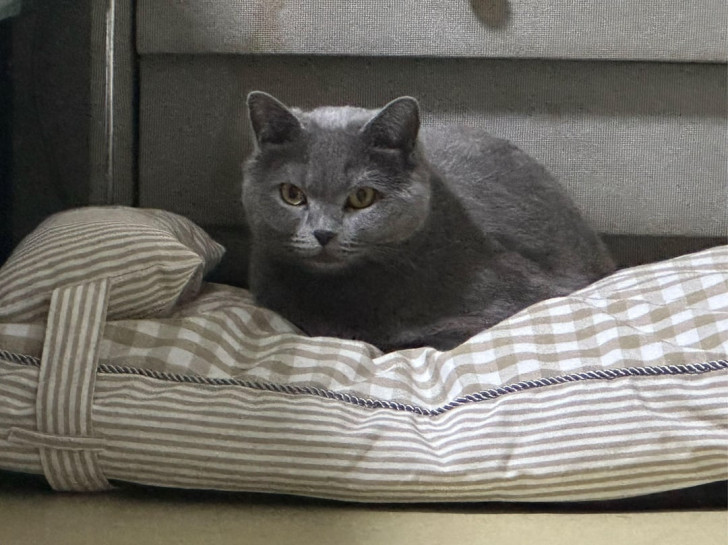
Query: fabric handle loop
x: 64, y: 402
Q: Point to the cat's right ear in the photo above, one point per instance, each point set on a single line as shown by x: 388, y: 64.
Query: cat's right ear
x: 271, y: 121
x: 395, y: 126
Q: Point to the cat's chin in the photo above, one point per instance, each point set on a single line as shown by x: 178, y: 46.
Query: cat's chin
x: 325, y: 263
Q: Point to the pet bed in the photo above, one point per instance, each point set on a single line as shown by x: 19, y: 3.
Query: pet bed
x: 118, y: 363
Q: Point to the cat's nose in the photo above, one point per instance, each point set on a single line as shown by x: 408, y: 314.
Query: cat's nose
x: 323, y: 236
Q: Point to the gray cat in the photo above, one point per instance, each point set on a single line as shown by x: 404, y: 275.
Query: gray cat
x: 364, y: 227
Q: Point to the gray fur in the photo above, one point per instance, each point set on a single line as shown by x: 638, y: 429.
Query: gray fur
x: 468, y: 231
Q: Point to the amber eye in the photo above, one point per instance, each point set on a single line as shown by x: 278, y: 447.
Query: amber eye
x: 362, y: 197
x: 293, y: 195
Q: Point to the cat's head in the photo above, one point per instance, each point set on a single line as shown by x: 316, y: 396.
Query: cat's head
x: 335, y: 186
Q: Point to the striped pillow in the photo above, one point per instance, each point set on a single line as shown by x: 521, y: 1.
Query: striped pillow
x: 154, y: 259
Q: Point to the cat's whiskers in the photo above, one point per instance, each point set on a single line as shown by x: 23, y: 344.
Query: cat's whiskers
x: 350, y: 248
x: 302, y: 247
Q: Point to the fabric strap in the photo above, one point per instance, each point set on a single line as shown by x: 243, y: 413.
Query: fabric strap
x: 64, y: 432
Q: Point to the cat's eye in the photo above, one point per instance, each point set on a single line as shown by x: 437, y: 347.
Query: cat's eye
x: 362, y: 197
x: 293, y: 195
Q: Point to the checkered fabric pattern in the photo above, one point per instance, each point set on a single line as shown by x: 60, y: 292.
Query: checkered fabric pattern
x: 670, y: 313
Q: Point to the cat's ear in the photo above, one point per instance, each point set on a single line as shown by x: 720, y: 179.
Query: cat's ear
x: 395, y: 126
x: 271, y: 121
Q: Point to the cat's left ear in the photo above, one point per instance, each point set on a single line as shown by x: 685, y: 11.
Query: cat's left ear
x: 395, y: 126
x: 272, y: 122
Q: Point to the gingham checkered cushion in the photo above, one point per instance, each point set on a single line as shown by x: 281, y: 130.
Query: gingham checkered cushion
x: 664, y: 314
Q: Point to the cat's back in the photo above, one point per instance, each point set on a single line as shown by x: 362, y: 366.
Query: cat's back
x: 511, y: 197
x: 443, y: 143
x: 500, y: 186
x: 469, y: 159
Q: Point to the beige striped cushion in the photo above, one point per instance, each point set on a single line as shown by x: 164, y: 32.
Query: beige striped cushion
x: 155, y: 259
x: 616, y: 390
